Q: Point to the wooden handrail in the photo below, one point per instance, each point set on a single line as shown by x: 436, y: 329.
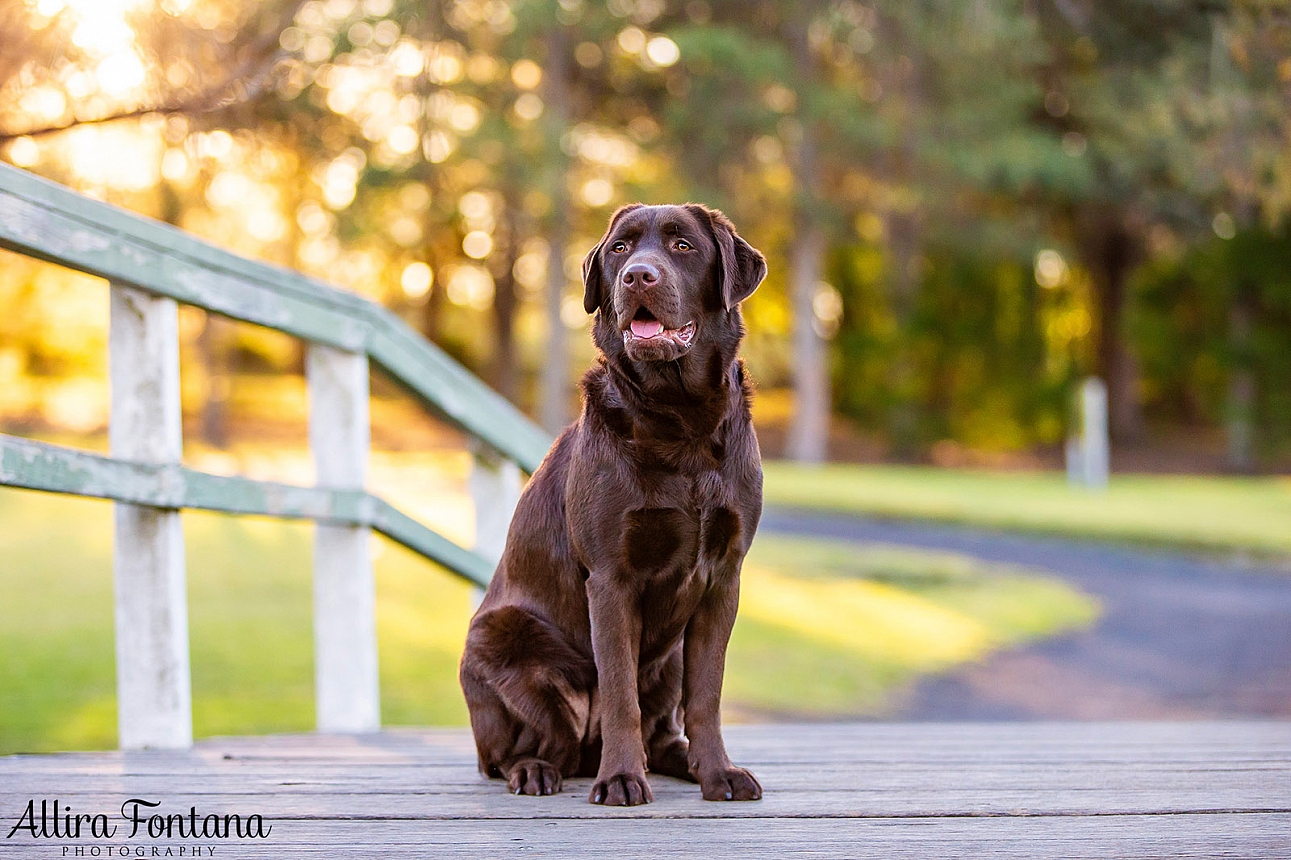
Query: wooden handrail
x: 42, y: 219
x: 153, y: 267
x: 52, y: 468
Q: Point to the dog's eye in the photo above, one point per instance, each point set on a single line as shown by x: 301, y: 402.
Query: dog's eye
x: 619, y: 247
x: 683, y: 245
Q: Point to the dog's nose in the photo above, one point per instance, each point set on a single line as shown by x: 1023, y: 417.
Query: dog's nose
x: 640, y: 275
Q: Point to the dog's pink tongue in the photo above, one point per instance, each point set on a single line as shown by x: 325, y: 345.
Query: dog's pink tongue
x: 647, y: 328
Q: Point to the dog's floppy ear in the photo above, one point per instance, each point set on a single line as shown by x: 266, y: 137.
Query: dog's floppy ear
x: 741, y: 267
x: 593, y: 289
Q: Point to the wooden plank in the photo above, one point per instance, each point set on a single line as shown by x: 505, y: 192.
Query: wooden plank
x: 154, y: 698
x: 52, y: 468
x: 1133, y: 838
x: 1004, y: 790
x: 45, y: 220
x: 1121, y: 746
x: 1077, y: 839
x: 346, y: 683
x: 305, y: 796
x: 994, y: 758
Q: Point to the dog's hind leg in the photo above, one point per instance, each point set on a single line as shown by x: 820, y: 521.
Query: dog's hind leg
x: 495, y: 730
x: 527, y: 691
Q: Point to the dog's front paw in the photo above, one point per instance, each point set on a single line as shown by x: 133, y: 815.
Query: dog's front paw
x: 733, y: 783
x: 621, y: 789
x: 533, y: 776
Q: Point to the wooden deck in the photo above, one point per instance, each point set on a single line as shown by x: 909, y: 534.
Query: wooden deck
x: 1097, y: 790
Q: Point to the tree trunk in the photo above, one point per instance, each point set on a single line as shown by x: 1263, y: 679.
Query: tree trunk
x: 897, y: 167
x: 808, y: 437
x: 432, y: 310
x: 554, y: 410
x: 1240, y: 423
x: 554, y: 405
x: 503, y: 374
x: 213, y: 348
x: 809, y: 428
x: 1110, y: 251
x: 904, y: 240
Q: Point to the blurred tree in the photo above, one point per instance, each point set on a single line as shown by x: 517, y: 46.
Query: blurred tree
x: 1180, y: 115
x: 955, y: 93
x: 1249, y: 104
x: 63, y: 67
x: 558, y: 68
x: 1183, y: 324
x: 883, y: 127
x: 72, y: 64
x: 920, y: 175
x: 1120, y: 80
x: 507, y: 108
x: 771, y: 93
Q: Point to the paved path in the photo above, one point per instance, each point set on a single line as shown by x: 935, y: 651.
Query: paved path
x: 1181, y: 636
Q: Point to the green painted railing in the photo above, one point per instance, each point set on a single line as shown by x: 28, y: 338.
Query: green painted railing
x: 153, y: 267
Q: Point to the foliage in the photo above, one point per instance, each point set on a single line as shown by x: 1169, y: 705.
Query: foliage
x: 454, y: 160
x: 992, y: 351
x: 1183, y: 328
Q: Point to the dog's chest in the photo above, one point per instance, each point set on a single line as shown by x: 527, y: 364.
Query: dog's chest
x: 683, y: 522
x: 676, y: 546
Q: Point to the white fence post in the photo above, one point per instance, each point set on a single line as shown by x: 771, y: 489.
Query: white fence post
x: 347, y: 688
x: 154, y: 691
x: 495, y: 488
x: 1088, y: 451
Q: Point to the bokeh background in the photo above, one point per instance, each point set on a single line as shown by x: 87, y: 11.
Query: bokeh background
x: 967, y: 208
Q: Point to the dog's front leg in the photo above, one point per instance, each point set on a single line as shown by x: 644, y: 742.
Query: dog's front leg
x: 705, y: 663
x: 616, y: 644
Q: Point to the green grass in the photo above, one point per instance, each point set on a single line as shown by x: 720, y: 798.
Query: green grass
x: 250, y: 627
x: 824, y: 628
x: 834, y: 628
x: 1212, y: 513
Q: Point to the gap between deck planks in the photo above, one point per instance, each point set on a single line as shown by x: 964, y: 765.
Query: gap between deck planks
x: 832, y: 790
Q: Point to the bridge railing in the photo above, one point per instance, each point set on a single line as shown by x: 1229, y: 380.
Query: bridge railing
x: 152, y: 268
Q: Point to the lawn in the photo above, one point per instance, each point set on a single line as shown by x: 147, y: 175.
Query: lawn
x: 825, y: 628
x: 831, y: 628
x: 1201, y: 512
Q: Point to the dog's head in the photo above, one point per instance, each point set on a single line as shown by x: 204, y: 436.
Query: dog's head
x: 664, y: 280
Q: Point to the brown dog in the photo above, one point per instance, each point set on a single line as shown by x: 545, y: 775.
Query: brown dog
x: 604, y: 629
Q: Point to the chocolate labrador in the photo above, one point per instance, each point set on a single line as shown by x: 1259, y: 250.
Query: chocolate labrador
x: 604, y: 630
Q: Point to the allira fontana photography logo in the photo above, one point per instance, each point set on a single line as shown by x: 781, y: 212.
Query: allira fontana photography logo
x: 138, y: 819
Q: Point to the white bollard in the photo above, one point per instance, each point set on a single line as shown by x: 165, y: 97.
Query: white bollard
x: 1088, y: 451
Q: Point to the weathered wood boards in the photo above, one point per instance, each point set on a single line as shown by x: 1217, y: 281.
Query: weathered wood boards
x: 45, y: 220
x: 1096, y: 790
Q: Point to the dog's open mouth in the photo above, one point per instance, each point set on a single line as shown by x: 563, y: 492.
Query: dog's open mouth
x: 646, y: 327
